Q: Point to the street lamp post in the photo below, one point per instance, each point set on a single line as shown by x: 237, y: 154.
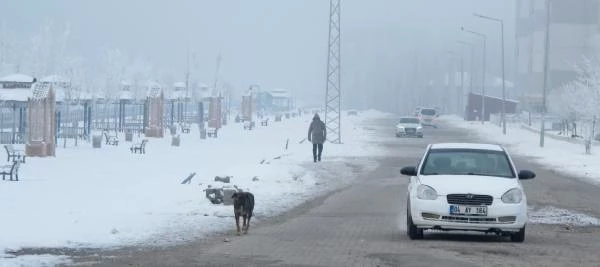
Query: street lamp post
x: 470, y: 45
x: 503, y: 77
x: 546, y: 70
x: 484, y: 37
x: 453, y: 71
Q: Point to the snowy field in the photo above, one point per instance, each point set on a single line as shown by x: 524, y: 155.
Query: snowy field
x: 566, y: 157
x: 95, y: 198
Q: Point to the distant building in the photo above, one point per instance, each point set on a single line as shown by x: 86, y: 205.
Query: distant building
x: 281, y: 100
x: 16, y: 87
x: 574, y: 34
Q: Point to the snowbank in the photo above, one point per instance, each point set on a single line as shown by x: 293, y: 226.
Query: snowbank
x: 562, y: 156
x: 106, y: 197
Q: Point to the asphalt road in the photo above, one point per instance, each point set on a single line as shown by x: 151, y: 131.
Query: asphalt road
x: 364, y: 225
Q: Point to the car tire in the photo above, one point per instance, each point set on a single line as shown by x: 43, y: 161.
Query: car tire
x: 411, y: 229
x: 519, y: 236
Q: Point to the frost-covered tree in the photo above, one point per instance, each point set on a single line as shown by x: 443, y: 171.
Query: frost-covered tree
x: 581, y: 96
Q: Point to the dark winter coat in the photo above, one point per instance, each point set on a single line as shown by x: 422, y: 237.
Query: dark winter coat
x: 317, y: 132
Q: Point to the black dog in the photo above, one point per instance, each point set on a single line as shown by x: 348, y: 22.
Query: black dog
x: 243, y: 205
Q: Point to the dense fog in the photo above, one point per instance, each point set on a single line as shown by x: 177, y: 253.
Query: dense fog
x: 391, y: 49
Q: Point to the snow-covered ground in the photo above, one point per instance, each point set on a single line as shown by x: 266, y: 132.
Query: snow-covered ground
x: 86, y: 197
x: 560, y: 155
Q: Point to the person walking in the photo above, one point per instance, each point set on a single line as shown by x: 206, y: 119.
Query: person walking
x: 317, y: 134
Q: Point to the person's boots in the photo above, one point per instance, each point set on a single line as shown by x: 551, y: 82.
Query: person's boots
x: 315, y: 158
x: 319, y: 158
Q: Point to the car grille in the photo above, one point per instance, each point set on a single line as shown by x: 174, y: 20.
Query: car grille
x: 410, y: 130
x: 461, y: 219
x: 470, y: 199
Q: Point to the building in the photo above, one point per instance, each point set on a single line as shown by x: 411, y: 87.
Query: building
x: 574, y: 34
x: 493, y: 105
x: 281, y: 100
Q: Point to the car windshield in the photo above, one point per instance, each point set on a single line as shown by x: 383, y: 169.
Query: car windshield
x: 428, y: 112
x: 467, y: 162
x: 409, y: 120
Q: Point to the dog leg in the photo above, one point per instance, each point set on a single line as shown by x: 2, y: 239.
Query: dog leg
x: 248, y: 224
x: 237, y: 223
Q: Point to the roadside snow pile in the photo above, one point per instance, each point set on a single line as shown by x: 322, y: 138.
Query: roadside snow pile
x: 33, y: 260
x: 552, y: 215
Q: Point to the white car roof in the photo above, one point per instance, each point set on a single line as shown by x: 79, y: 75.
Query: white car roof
x: 467, y: 146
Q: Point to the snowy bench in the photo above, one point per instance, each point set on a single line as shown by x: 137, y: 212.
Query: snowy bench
x: 211, y: 132
x: 14, y: 154
x: 12, y: 170
x: 139, y: 147
x: 248, y: 125
x: 185, y: 127
x: 112, y: 140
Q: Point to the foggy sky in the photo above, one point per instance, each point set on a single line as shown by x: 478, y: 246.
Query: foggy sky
x: 273, y: 43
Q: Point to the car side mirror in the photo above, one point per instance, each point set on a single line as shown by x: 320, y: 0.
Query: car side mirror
x: 526, y: 175
x: 409, y: 171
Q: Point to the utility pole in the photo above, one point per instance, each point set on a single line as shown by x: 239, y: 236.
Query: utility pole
x: 483, y: 36
x: 546, y: 70
x: 471, y: 71
x: 462, y: 86
x: 503, y: 77
x: 333, y: 87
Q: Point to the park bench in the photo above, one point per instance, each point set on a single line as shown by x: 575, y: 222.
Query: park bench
x: 112, y: 140
x: 12, y: 170
x: 264, y: 122
x: 14, y: 154
x: 248, y: 125
x: 185, y: 127
x: 139, y: 147
x: 211, y: 132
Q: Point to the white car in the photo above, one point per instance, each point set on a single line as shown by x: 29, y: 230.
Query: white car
x: 428, y: 117
x: 409, y: 126
x: 469, y: 187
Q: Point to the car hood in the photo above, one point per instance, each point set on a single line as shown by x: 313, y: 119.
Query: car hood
x: 409, y: 125
x: 473, y: 184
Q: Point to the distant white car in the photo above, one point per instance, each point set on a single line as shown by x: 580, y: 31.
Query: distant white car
x: 469, y: 187
x: 409, y: 126
x: 428, y: 117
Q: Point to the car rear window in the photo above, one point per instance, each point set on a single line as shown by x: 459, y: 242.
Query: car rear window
x: 467, y: 162
x: 428, y: 112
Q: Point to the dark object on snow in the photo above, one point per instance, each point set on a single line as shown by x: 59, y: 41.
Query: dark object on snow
x: 225, y: 179
x: 243, y: 206
x: 255, y: 178
x: 215, y: 195
x: 188, y: 180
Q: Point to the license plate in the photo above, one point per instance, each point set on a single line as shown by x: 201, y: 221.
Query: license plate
x: 468, y: 210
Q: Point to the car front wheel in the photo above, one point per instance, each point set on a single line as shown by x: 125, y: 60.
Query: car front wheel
x: 518, y: 236
x: 412, y: 230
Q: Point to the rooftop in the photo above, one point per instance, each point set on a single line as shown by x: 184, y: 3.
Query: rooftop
x: 21, y: 78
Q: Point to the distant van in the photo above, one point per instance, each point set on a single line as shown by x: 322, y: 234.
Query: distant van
x: 428, y: 117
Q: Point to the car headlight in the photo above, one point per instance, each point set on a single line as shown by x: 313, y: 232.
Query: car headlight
x: 513, y: 196
x: 426, y: 192
x: 420, y: 128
